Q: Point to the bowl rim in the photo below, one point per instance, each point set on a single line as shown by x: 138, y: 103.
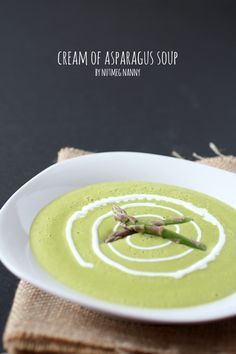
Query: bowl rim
x: 192, y: 314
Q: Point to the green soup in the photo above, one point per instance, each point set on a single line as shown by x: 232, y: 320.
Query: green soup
x: 68, y: 239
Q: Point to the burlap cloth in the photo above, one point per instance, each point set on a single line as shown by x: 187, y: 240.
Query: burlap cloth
x: 42, y: 323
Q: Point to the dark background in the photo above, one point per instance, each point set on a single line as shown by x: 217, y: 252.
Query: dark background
x: 44, y: 107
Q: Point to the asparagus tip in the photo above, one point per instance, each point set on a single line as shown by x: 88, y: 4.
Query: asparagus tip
x: 119, y: 213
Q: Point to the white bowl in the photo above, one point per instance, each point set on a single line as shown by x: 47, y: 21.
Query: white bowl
x: 17, y: 214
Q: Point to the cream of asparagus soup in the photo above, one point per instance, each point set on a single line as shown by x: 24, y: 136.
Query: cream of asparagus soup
x: 139, y: 244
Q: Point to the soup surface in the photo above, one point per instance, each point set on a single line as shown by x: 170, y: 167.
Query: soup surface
x: 68, y: 239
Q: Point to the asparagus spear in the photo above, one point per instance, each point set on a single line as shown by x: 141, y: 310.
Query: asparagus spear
x: 122, y: 216
x: 152, y: 228
x: 173, y: 236
x: 117, y: 235
x: 171, y: 221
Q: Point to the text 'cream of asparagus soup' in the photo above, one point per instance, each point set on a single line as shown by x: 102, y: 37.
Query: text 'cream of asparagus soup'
x: 158, y: 269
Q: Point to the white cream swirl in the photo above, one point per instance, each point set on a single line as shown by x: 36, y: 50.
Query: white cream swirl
x: 149, y: 197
